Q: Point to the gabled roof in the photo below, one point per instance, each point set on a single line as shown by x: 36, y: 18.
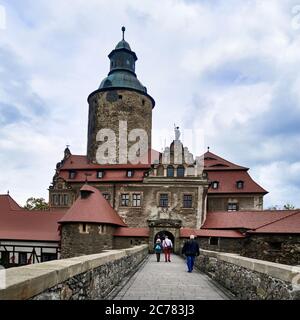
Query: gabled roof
x: 91, y: 207
x: 8, y: 203
x: 19, y: 224
x: 186, y: 232
x: 287, y: 224
x: 249, y: 220
x: 228, y: 179
x: 214, y: 162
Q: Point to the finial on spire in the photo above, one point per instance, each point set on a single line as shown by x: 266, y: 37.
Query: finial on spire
x: 208, y: 148
x: 123, y: 31
x: 177, y: 132
x: 7, y: 192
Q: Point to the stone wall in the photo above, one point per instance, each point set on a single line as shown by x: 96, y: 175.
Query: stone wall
x: 74, y: 242
x: 106, y: 109
x: 251, y: 279
x: 220, y: 202
x: 277, y: 248
x: 230, y: 245
x: 87, y: 277
x: 127, y: 242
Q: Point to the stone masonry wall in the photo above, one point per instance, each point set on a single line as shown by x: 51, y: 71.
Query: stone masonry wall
x: 220, y: 203
x: 75, y: 243
x: 106, y: 109
x: 87, y: 277
x: 277, y: 248
x: 251, y: 279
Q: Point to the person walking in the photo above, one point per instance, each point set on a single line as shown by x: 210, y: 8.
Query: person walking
x: 158, y: 249
x: 191, y: 250
x: 167, y: 247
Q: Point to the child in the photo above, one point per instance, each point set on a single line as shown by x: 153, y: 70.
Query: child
x: 158, y: 249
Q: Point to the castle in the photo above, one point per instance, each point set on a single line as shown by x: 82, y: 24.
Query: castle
x: 102, y: 200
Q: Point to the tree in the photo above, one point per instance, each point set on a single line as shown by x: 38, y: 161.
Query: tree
x: 36, y: 204
x: 289, y: 206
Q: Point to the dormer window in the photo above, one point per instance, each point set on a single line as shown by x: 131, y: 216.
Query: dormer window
x: 215, y: 185
x: 240, y: 184
x: 232, y: 207
x: 180, y: 171
x: 129, y: 173
x: 100, y: 174
x: 170, y: 171
x: 72, y: 174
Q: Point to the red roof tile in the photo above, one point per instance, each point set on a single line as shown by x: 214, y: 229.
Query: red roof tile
x: 243, y: 219
x: 287, y: 224
x: 110, y: 175
x: 228, y: 179
x: 214, y: 162
x: 132, y: 232
x: 92, y: 207
x: 19, y: 224
x: 185, y: 233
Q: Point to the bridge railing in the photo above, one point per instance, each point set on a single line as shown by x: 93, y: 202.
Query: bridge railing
x: 84, y: 277
x: 251, y: 279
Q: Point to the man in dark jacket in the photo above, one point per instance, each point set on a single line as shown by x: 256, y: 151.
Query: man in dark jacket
x: 191, y: 250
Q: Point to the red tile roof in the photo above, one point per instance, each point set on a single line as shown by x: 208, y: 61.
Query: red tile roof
x: 110, y: 175
x: 244, y: 219
x: 132, y: 232
x: 91, y: 207
x: 19, y: 224
x: 287, y: 224
x: 185, y: 233
x: 228, y: 179
x: 214, y: 162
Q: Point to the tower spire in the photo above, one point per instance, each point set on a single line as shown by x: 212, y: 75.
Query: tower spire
x: 123, y: 31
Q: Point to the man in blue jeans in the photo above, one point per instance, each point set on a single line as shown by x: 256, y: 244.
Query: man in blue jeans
x: 191, y: 250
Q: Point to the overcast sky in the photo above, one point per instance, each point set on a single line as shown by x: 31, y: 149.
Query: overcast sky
x: 229, y: 68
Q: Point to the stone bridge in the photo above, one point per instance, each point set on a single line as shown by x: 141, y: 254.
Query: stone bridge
x: 133, y: 274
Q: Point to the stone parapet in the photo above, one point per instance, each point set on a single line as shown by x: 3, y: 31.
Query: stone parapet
x: 251, y: 279
x: 84, y: 277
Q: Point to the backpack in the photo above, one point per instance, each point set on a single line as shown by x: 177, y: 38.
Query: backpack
x: 157, y: 247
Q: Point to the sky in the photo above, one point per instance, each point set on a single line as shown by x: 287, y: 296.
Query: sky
x: 229, y: 69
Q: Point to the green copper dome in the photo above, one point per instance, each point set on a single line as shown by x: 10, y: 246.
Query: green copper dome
x: 122, y: 68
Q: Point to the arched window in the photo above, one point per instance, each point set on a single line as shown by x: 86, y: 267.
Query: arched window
x: 240, y: 184
x: 170, y: 171
x: 215, y: 184
x: 180, y: 171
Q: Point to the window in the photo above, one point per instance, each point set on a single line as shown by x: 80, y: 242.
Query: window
x: 136, y: 200
x: 106, y: 196
x: 125, y: 200
x: 232, y: 207
x: 55, y: 199
x: 66, y: 199
x: 170, y: 171
x: 180, y: 171
x: 120, y: 97
x: 22, y: 258
x: 129, y: 173
x: 48, y: 257
x: 102, y: 229
x: 187, y: 201
x: 72, y: 174
x: 240, y: 184
x: 84, y: 228
x: 164, y: 200
x: 213, y: 241
x: 4, y: 258
x: 143, y: 102
x: 100, y: 174
x: 215, y: 185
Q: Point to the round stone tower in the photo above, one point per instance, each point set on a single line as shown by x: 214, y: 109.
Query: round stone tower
x: 121, y: 104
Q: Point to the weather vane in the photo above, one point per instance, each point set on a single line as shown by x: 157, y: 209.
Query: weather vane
x: 123, y: 30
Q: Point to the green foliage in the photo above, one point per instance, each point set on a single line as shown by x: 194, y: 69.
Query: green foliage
x: 36, y: 204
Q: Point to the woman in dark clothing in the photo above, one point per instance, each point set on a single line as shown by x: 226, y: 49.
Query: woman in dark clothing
x: 191, y: 250
x: 158, y: 249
